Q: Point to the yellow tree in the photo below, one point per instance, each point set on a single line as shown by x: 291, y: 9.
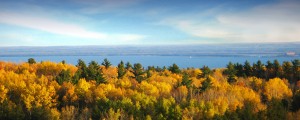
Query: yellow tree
x: 148, y: 89
x: 276, y: 88
x: 3, y: 92
x: 39, y: 94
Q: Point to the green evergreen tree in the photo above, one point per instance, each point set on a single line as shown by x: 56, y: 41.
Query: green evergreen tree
x: 231, y: 72
x: 239, y: 69
x: 158, y: 69
x: 106, y: 63
x: 174, y: 69
x: 278, y: 69
x: 270, y: 70
x: 128, y: 66
x: 63, y: 62
x: 206, y: 84
x: 258, y: 69
x: 148, y: 73
x: 288, y: 71
x: 296, y: 69
x: 64, y: 75
x: 121, y: 70
x: 82, y: 71
x: 95, y: 72
x: 31, y: 61
x: 205, y: 72
x: 247, y: 112
x: 276, y: 110
x: 138, y: 72
x: 247, y: 69
x: 296, y: 77
x: 82, y: 68
x: 186, y: 81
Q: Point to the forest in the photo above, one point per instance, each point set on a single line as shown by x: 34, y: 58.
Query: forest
x: 242, y: 91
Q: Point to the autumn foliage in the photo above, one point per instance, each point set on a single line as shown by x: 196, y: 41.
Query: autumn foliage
x: 48, y: 90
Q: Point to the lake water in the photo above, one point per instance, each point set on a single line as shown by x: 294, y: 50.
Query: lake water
x: 181, y: 61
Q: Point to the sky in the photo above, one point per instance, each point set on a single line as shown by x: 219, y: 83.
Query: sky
x: 147, y: 22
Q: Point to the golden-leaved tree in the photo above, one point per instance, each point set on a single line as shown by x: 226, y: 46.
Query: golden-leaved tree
x: 277, y: 89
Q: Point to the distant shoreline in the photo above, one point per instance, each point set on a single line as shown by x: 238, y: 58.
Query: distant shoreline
x: 263, y: 56
x: 238, y: 50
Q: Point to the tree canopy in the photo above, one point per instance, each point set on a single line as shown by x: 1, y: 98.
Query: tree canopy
x: 49, y: 90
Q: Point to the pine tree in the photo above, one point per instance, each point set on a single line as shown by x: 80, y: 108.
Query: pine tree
x: 247, y: 69
x: 95, y: 73
x: 31, y: 61
x: 174, y: 69
x: 186, y: 81
x: 231, y: 72
x: 206, y: 84
x: 138, y: 72
x: 128, y: 66
x: 121, y: 70
x: 82, y: 71
x: 64, y: 75
x: 205, y: 71
x: 106, y: 63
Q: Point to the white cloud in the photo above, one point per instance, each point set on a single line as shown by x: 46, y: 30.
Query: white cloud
x: 62, y: 30
x: 265, y: 23
x: 21, y: 39
x: 129, y: 37
x: 268, y: 23
x: 49, y: 25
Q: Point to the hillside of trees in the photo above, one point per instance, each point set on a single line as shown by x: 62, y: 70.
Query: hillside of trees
x: 49, y: 91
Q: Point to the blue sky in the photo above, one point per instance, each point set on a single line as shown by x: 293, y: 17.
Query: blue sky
x: 147, y: 22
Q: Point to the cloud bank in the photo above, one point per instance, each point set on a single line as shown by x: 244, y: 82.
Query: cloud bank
x: 49, y: 25
x: 265, y: 23
x: 65, y: 29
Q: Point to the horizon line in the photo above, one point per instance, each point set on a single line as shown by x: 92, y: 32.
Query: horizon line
x: 135, y: 45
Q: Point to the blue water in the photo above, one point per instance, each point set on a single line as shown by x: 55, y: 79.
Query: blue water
x: 181, y: 61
